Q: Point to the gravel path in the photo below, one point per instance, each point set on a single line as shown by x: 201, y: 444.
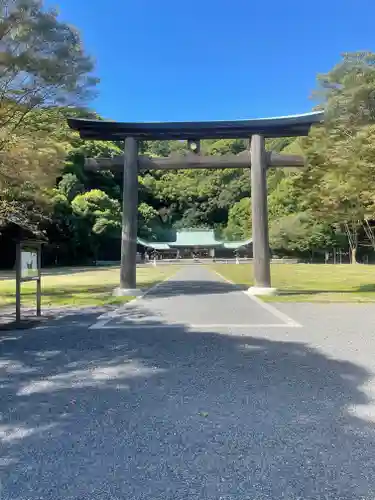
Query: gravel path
x: 191, y: 413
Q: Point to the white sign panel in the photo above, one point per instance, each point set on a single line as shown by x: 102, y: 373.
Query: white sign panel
x: 29, y: 263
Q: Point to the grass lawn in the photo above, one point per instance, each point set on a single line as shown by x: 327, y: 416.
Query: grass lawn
x: 85, y: 288
x: 310, y: 282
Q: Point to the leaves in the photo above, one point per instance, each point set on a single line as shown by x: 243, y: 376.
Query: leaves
x: 42, y: 62
x: 300, y: 233
x: 239, y: 221
x: 43, y: 68
x: 70, y: 186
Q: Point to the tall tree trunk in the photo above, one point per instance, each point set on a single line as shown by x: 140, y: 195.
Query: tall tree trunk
x: 352, y: 234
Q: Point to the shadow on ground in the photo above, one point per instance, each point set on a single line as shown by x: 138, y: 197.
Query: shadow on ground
x: 369, y: 287
x: 201, y: 287
x: 59, y: 271
x: 171, y: 414
x: 69, y: 316
x: 195, y: 287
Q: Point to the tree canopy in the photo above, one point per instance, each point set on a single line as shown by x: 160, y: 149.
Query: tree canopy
x: 43, y: 69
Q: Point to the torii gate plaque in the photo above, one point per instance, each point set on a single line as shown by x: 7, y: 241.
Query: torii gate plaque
x: 259, y: 160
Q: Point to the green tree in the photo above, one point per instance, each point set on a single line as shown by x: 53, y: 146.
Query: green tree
x: 341, y: 155
x: 239, y: 221
x: 70, y: 186
x: 99, y: 219
x: 105, y: 180
x: 347, y: 93
x: 148, y: 220
x: 226, y: 146
x: 42, y: 62
x: 336, y: 185
x: 42, y: 68
x: 286, y: 197
x: 299, y: 233
x: 102, y: 211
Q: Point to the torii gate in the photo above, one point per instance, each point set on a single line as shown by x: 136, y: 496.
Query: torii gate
x: 258, y: 159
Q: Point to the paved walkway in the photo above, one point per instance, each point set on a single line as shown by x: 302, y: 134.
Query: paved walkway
x: 142, y: 410
x: 196, y: 297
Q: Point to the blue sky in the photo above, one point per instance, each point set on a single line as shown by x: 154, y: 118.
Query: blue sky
x: 212, y: 60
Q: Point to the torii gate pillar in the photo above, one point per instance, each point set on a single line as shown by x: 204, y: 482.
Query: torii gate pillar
x: 261, y: 249
x: 128, y: 270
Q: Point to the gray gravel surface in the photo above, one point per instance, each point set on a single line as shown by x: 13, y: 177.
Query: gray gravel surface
x: 191, y: 413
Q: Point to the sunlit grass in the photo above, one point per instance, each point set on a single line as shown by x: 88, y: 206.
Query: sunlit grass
x: 85, y: 288
x: 310, y: 282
